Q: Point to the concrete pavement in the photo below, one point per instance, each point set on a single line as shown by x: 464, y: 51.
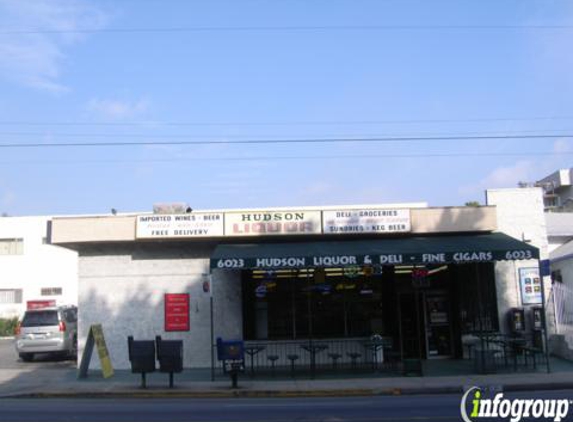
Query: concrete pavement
x: 63, y: 382
x: 58, y: 378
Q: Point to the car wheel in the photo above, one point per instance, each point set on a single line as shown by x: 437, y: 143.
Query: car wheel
x: 27, y: 357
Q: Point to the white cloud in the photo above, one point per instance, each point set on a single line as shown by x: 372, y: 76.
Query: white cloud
x: 318, y: 188
x: 562, y: 145
x: 502, y: 177
x: 118, y: 109
x: 522, y: 171
x: 509, y: 176
x: 323, y: 192
x: 36, y: 59
x: 7, y: 197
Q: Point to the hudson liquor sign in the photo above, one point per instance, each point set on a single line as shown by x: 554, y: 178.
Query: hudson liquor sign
x: 269, y: 223
x: 366, y: 221
x: 160, y: 226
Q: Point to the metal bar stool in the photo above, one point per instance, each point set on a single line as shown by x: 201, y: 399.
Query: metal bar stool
x: 334, y: 357
x: 292, y: 359
x: 273, y: 359
x: 353, y: 357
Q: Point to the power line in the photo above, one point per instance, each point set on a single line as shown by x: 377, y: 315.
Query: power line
x: 276, y: 141
x: 552, y: 132
x: 297, y: 157
x: 291, y: 123
x: 286, y: 28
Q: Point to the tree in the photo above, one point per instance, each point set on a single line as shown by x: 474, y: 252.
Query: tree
x: 472, y: 204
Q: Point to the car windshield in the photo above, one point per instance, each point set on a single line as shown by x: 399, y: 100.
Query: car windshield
x: 40, y: 319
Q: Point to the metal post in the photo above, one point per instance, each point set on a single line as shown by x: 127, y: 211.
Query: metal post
x: 234, y: 379
x: 309, y: 310
x: 309, y: 305
x: 555, y: 310
x: 418, y: 332
x: 479, y: 298
x: 212, y: 345
x: 480, y: 319
x: 544, y: 317
x: 400, y: 331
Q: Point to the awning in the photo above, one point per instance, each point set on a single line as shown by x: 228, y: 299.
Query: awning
x: 396, y: 251
x: 562, y: 253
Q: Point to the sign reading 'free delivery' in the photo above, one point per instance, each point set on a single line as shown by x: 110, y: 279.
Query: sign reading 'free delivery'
x: 162, y: 226
x: 272, y: 223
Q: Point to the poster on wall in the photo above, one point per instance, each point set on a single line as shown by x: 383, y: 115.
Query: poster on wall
x: 177, y: 312
x: 530, y: 285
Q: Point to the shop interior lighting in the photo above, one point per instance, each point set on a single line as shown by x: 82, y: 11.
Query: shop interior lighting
x: 437, y: 270
x: 309, y: 272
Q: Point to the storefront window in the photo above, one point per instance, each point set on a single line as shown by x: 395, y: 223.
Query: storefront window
x: 393, y: 302
x: 477, y: 297
x: 301, y: 305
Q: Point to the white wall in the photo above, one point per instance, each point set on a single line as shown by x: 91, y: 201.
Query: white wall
x: 40, y: 265
x: 566, y: 268
x: 557, y: 241
x: 123, y: 289
x: 520, y: 215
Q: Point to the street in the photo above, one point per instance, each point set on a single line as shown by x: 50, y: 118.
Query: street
x: 420, y: 408
x: 441, y: 408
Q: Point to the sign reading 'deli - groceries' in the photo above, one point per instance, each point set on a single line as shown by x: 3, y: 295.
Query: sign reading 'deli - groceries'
x: 199, y: 224
x: 375, y: 220
x: 269, y: 223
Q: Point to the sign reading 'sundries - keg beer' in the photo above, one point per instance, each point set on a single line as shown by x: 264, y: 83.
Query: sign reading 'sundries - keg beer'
x: 366, y: 221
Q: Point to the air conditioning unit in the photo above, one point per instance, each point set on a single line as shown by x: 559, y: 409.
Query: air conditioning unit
x: 171, y: 208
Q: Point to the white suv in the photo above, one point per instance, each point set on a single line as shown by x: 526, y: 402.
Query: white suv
x: 47, y: 330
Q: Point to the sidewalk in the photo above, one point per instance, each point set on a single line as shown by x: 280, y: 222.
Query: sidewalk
x: 64, y: 383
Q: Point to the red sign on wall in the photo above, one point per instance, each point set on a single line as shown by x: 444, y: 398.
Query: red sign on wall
x: 177, y: 312
x: 39, y: 304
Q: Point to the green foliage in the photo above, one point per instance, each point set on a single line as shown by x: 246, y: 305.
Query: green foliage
x: 472, y: 204
x: 7, y: 326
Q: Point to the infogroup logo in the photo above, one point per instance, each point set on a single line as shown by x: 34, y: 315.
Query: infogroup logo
x: 474, y: 407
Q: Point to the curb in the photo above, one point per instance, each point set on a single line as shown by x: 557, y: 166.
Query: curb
x: 238, y: 393
x: 200, y: 394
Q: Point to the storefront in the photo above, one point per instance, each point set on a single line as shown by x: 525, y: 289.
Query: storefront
x: 418, y: 278
x: 422, y: 294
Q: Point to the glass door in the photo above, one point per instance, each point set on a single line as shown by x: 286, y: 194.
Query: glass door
x: 412, y: 336
x: 438, y: 325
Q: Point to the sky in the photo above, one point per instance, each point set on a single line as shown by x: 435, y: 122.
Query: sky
x: 223, y: 73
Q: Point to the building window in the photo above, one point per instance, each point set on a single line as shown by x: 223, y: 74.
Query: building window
x: 11, y: 246
x: 51, y: 291
x: 8, y: 296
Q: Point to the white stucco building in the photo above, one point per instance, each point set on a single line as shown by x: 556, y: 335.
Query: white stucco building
x: 558, y: 190
x: 31, y: 269
x: 558, y: 197
x: 337, y: 274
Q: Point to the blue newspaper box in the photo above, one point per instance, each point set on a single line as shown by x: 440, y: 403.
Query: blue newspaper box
x: 232, y: 354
